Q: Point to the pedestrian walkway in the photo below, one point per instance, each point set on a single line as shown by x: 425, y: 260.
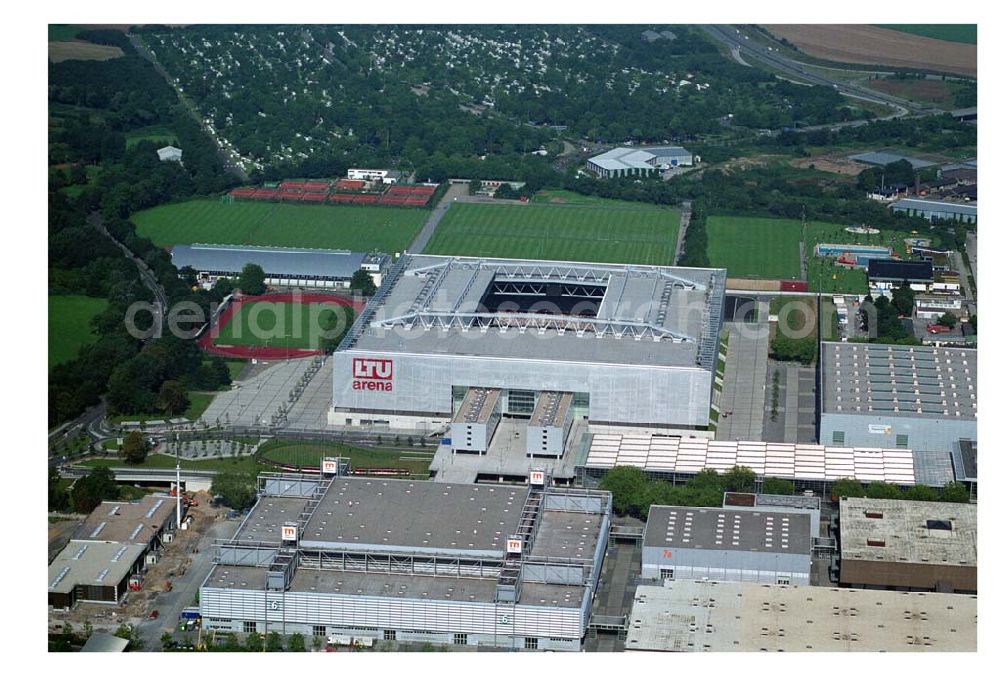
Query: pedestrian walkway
x: 744, y: 384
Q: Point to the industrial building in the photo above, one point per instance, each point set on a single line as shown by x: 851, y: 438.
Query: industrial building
x: 647, y: 161
x: 774, y: 503
x: 907, y: 545
x: 881, y: 158
x: 965, y: 463
x: 632, y: 345
x: 936, y: 210
x: 687, y: 615
x: 726, y: 545
x: 116, y: 541
x: 353, y: 558
x: 891, y: 396
x: 884, y: 275
x: 810, y: 466
x: 283, y: 266
x: 932, y: 306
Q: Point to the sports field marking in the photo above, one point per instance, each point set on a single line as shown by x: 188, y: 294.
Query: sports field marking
x: 560, y: 232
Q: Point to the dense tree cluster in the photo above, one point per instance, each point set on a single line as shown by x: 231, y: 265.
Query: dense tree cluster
x: 633, y: 491
x: 238, y: 490
x: 953, y: 492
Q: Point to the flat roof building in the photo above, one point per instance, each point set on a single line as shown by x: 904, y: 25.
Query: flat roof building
x: 936, y: 210
x: 727, y: 545
x: 809, y: 466
x: 645, y: 161
x: 886, y: 274
x: 688, y: 615
x: 283, y: 266
x: 413, y: 561
x: 907, y: 545
x: 634, y: 345
x: 882, y: 158
x: 894, y: 396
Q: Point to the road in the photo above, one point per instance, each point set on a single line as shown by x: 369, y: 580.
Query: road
x: 682, y: 231
x: 170, y: 604
x: 456, y: 190
x: 230, y: 159
x: 147, y: 276
x: 732, y: 39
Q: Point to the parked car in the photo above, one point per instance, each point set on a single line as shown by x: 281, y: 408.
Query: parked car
x: 154, y: 614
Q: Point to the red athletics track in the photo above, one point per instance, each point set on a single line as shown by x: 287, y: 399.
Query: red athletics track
x: 207, y: 340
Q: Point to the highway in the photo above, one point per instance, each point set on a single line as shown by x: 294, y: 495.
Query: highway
x: 739, y: 42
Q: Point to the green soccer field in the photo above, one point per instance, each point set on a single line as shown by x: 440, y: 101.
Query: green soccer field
x: 280, y: 324
x: 363, y: 229
x: 755, y: 247
x: 69, y: 325
x: 566, y: 233
x: 952, y: 32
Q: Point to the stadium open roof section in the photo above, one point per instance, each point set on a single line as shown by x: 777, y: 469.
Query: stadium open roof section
x: 642, y: 340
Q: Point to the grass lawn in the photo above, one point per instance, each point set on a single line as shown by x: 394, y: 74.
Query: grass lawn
x: 560, y: 196
x: 62, y: 32
x: 566, y: 233
x: 952, y: 32
x: 825, y: 275
x: 288, y: 325
x: 312, y: 453
x: 235, y: 368
x: 210, y: 221
x: 160, y: 461
x: 158, y: 133
x: 197, y: 404
x: 69, y: 325
x: 755, y: 247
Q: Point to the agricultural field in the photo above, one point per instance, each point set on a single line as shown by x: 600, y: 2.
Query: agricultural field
x: 940, y: 93
x: 157, y: 133
x: 870, y: 45
x: 293, y: 452
x: 568, y: 233
x: 950, y: 32
x: 284, y: 325
x: 212, y: 221
x: 69, y: 325
x: 755, y: 247
x: 78, y: 49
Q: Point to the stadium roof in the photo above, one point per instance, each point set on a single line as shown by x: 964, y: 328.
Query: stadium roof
x: 276, y: 261
x: 690, y: 455
x: 873, y: 379
x: 891, y: 269
x: 883, y: 158
x: 671, y: 526
x: 118, y: 522
x: 916, y: 532
x: 691, y: 615
x: 84, y: 563
x: 636, y: 158
x: 928, y: 205
x: 428, y: 304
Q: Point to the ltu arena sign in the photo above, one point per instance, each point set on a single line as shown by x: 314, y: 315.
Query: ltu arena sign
x: 372, y: 374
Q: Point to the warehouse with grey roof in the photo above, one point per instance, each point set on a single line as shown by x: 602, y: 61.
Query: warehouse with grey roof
x: 283, y: 266
x: 635, y: 161
x: 895, y: 396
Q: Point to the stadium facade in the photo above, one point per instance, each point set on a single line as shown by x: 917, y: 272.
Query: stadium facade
x: 362, y: 559
x: 634, y: 345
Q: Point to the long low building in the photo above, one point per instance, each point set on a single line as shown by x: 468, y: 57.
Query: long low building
x: 644, y: 161
x: 727, y: 616
x: 726, y: 545
x: 632, y: 345
x: 283, y: 266
x: 936, y: 210
x: 810, y: 466
x: 413, y: 561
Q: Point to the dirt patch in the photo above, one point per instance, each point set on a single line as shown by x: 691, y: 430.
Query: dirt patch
x: 749, y: 284
x: 85, y: 51
x: 878, y: 46
x: 830, y: 163
x: 929, y: 91
x: 59, y: 534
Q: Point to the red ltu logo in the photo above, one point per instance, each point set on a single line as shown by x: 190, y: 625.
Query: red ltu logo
x: 372, y: 374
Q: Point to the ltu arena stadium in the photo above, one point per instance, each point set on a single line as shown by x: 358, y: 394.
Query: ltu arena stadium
x: 624, y: 345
